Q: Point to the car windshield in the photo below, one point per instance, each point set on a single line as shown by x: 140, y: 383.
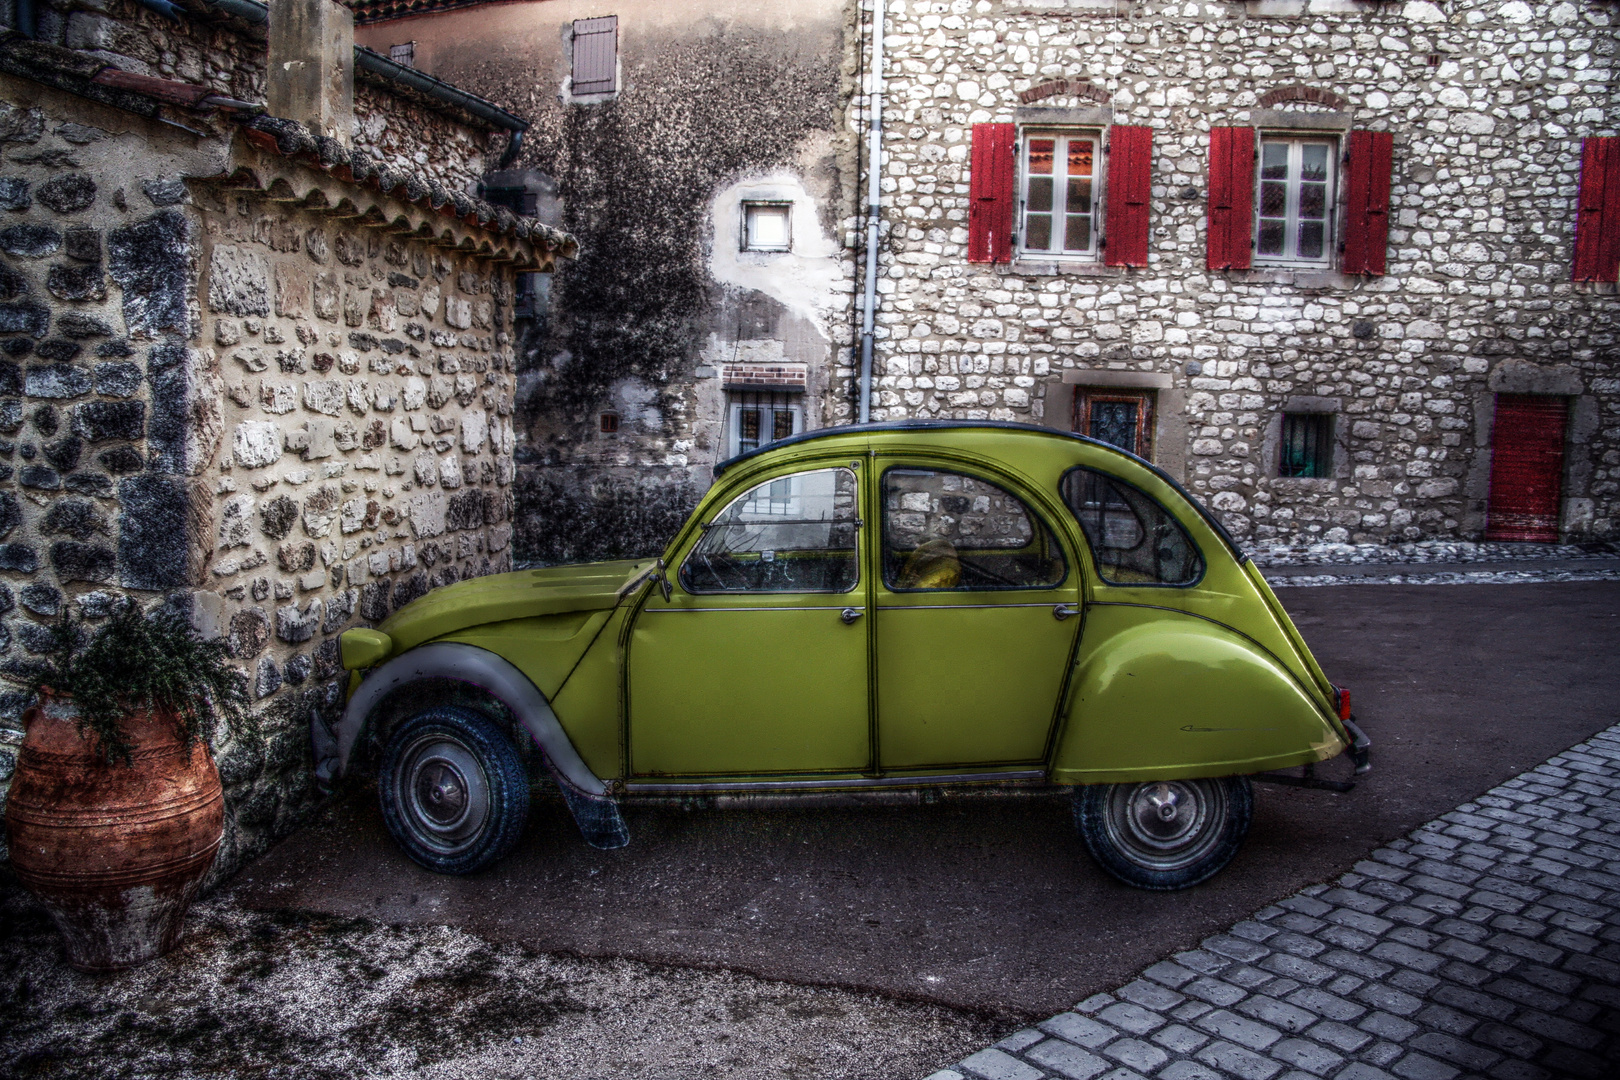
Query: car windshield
x: 1134, y: 540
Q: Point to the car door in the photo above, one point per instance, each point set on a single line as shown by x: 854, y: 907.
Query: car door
x: 757, y: 662
x: 975, y: 607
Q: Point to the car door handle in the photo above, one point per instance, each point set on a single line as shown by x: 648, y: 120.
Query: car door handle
x: 1063, y: 611
x: 849, y: 615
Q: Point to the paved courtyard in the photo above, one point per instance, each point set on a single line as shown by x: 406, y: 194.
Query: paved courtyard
x: 1485, y: 944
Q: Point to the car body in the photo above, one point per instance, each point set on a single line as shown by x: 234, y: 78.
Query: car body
x: 894, y: 605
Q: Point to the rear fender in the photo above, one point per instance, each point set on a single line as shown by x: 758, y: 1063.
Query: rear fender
x: 1161, y: 695
x: 593, y: 808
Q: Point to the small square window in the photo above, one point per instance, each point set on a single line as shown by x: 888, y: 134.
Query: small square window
x: 610, y: 422
x: 757, y: 417
x: 767, y: 226
x: 403, y: 55
x: 1307, y: 445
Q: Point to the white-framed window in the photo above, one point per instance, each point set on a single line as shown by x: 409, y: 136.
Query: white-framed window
x: 1059, y: 174
x: 754, y: 418
x: 1294, y: 200
x: 403, y: 54
x: 767, y: 226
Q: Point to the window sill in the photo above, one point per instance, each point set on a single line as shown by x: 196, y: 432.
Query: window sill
x: 1597, y: 288
x: 1054, y: 268
x: 1303, y: 277
x: 1321, y: 484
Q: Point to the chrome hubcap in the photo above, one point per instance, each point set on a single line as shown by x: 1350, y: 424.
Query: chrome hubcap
x: 443, y: 792
x: 1167, y: 824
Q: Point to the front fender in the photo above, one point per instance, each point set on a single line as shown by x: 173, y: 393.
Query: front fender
x: 587, y: 796
x: 484, y: 669
x: 1162, y: 695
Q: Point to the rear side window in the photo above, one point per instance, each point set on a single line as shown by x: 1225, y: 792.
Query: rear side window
x: 948, y: 531
x: 1133, y: 539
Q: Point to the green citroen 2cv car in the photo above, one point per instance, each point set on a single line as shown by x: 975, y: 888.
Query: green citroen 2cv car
x: 900, y: 605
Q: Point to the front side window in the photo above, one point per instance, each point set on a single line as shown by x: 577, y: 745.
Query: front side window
x: 1059, y: 174
x: 1294, y: 208
x: 766, y: 541
x: 947, y: 531
x: 1133, y: 539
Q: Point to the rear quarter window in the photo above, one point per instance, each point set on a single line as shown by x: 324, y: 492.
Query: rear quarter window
x: 1134, y: 540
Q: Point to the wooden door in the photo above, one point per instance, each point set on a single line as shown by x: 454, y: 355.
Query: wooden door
x: 1527, y: 467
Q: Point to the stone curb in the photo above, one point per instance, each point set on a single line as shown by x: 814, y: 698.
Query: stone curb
x: 1485, y: 943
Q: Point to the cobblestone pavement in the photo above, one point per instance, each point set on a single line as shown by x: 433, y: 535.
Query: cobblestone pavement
x: 1485, y: 944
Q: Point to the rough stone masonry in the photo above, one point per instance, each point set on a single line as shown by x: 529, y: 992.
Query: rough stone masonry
x: 1487, y: 102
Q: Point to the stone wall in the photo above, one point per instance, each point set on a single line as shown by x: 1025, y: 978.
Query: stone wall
x: 1487, y: 102
x: 719, y: 102
x: 229, y: 58
x: 237, y: 384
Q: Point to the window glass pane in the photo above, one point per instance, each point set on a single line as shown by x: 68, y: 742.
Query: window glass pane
x: 1079, y: 195
x: 1133, y: 539
x: 1077, y: 233
x: 1080, y: 151
x: 767, y: 226
x: 1307, y: 445
x: 747, y: 429
x: 1273, y: 161
x: 1040, y: 193
x: 1313, y: 162
x: 793, y: 534
x: 1040, y: 156
x: 944, y: 530
x: 1114, y: 422
x: 1311, y: 235
x: 1273, y: 199
x: 1038, y: 232
x: 1313, y: 201
x: 1271, y: 237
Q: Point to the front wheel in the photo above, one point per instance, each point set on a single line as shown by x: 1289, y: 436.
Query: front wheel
x: 454, y: 792
x: 1164, y: 834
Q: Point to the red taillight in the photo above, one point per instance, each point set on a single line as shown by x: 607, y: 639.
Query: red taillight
x: 1342, y: 696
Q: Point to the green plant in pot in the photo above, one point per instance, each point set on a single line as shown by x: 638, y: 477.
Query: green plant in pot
x: 115, y: 810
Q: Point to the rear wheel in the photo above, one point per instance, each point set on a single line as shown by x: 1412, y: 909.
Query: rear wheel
x: 1165, y: 834
x: 454, y: 792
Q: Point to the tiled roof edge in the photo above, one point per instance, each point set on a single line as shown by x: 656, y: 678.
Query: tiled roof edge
x: 291, y: 139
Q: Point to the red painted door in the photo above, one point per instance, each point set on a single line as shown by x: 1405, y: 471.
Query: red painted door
x: 1527, y: 467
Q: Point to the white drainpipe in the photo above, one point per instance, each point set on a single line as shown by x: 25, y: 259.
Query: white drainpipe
x: 874, y: 166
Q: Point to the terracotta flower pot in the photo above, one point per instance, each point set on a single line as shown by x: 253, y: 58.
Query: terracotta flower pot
x: 115, y: 852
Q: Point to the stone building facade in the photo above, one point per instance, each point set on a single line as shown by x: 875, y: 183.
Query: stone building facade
x: 683, y: 334
x: 249, y: 371
x: 1486, y: 105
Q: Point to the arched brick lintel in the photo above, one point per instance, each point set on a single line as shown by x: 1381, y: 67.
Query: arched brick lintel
x: 1081, y: 88
x: 1299, y: 92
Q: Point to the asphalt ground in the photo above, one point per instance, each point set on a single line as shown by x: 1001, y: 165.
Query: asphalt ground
x: 991, y: 906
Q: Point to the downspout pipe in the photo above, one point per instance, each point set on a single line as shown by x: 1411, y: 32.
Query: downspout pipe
x: 874, y: 167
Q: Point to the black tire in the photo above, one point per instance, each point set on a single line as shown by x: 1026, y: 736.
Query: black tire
x: 454, y: 792
x: 1165, y: 834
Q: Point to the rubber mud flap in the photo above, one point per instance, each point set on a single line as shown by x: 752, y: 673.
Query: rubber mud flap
x: 597, y: 816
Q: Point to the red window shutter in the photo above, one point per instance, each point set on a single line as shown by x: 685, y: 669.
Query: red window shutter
x: 990, y: 194
x: 1366, y: 219
x: 1231, y: 197
x: 596, y: 55
x: 1130, y: 171
x: 1597, y: 213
